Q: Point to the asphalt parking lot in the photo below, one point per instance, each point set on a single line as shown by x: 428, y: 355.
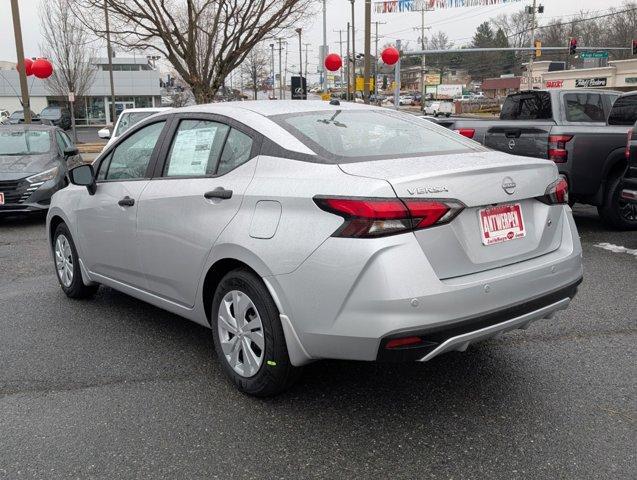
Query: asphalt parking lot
x: 115, y: 388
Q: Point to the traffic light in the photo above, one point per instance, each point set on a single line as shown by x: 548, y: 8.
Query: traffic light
x: 634, y: 47
x: 538, y: 49
x: 572, y: 46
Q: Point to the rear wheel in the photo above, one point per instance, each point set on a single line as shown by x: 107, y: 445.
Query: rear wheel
x: 67, y: 265
x: 248, y: 336
x: 616, y: 212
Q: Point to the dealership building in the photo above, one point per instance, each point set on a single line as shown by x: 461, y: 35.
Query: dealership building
x: 135, y: 79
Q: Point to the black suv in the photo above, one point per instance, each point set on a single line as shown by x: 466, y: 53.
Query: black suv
x: 56, y: 115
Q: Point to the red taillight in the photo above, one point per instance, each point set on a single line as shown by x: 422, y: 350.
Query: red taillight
x: 557, y: 148
x: 377, y: 217
x: 556, y: 192
x: 629, y: 137
x: 466, y: 132
x: 403, y: 342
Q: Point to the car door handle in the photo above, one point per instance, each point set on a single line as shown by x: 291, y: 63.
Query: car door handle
x: 126, y: 202
x: 218, y: 192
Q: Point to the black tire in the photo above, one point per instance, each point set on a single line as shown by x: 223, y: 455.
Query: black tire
x: 615, y: 212
x: 447, y: 115
x: 76, y: 288
x: 275, y: 374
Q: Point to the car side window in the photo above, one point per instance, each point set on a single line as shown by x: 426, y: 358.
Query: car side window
x: 131, y: 157
x: 62, y: 142
x: 103, y: 167
x: 235, y: 152
x: 195, y: 149
x: 584, y: 107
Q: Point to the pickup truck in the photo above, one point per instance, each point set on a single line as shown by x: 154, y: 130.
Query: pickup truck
x: 568, y: 127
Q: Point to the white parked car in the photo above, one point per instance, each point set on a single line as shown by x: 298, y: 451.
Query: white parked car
x: 126, y: 120
x: 439, y: 108
x: 4, y: 116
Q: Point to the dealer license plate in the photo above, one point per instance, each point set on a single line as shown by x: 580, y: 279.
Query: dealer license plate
x: 501, y: 223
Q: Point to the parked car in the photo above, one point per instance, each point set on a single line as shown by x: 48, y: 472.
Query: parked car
x: 4, y: 116
x: 568, y: 127
x: 406, y: 100
x: 301, y: 231
x: 439, y: 108
x: 18, y: 117
x: 33, y: 166
x: 57, y: 115
x: 126, y: 119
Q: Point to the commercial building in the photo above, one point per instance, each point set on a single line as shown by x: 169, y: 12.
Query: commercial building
x: 136, y: 85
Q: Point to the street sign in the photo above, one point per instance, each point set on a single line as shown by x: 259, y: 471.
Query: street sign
x: 593, y: 55
x: 299, y: 88
x: 71, y: 97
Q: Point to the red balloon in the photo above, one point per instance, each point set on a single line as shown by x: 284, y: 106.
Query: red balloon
x: 333, y: 62
x: 42, y: 68
x: 390, y: 55
x: 28, y: 64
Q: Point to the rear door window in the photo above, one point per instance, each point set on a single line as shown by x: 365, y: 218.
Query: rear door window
x: 527, y: 106
x: 235, y: 152
x: 624, y: 111
x: 584, y: 107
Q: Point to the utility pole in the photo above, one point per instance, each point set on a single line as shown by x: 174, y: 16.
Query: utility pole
x: 272, y: 68
x: 280, y: 70
x: 347, y: 66
x: 530, y: 66
x: 422, y: 59
x: 22, y: 72
x: 353, y: 53
x: 397, y: 78
x: 340, y: 47
x: 376, y: 59
x: 299, y: 30
x: 109, y: 54
x: 368, y: 47
x: 323, y: 51
x: 306, y: 45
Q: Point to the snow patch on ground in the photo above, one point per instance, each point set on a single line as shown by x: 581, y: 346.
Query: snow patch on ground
x: 617, y: 248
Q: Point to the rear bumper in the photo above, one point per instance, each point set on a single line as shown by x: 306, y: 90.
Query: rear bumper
x: 349, y: 297
x: 458, y: 336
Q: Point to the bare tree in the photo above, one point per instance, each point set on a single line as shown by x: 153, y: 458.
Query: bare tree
x: 255, y: 66
x: 204, y: 40
x: 66, y: 44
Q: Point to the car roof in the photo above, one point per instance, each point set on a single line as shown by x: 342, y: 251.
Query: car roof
x: 145, y: 109
x: 268, y: 108
x: 30, y: 126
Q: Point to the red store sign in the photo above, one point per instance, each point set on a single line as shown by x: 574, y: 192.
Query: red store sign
x: 554, y: 83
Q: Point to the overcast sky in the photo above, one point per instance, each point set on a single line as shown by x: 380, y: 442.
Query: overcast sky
x: 458, y: 23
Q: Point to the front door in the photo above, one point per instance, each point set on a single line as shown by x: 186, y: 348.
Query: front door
x: 183, y: 211
x: 107, y: 220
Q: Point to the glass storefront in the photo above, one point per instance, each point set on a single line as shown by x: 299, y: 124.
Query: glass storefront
x: 92, y: 110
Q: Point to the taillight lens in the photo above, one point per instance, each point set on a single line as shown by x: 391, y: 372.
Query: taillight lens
x: 377, y: 217
x: 629, y: 137
x: 556, y: 192
x: 466, y: 132
x: 557, y: 148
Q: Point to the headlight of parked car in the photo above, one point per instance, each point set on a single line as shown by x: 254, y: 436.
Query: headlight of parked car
x: 49, y: 174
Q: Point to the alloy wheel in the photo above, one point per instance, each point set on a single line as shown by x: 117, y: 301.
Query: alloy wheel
x: 627, y: 210
x: 64, y: 260
x: 241, y: 333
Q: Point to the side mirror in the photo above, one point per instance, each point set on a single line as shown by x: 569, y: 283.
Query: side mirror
x: 70, y: 152
x: 84, y: 176
x: 104, y: 133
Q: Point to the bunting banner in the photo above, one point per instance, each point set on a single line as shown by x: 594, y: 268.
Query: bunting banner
x: 399, y: 6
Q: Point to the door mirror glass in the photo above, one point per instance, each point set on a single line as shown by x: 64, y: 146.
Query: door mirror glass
x: 83, y: 176
x: 70, y: 152
x: 104, y: 133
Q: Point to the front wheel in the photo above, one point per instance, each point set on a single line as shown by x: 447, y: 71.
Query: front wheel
x: 248, y: 336
x: 67, y: 265
x: 617, y: 212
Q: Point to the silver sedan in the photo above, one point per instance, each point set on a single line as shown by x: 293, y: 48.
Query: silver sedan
x: 300, y: 231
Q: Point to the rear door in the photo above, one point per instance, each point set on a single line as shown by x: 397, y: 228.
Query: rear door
x: 526, y: 122
x: 195, y: 193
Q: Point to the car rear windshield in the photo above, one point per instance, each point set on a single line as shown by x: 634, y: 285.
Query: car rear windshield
x: 127, y: 120
x: 624, y: 111
x: 24, y: 142
x: 527, y: 106
x: 351, y: 135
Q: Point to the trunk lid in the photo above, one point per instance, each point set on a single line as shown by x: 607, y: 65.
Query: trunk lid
x: 477, y: 180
